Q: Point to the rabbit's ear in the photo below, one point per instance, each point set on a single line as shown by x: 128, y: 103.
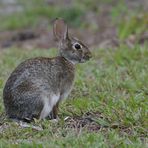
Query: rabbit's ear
x: 60, y: 29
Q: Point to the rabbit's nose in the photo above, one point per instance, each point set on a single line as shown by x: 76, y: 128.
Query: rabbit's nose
x: 88, y: 55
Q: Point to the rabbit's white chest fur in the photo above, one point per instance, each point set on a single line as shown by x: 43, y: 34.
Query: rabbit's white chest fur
x: 48, y: 105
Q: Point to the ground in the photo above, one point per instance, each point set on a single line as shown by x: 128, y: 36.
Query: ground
x: 108, y: 104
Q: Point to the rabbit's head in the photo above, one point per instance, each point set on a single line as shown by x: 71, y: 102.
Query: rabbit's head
x: 70, y: 48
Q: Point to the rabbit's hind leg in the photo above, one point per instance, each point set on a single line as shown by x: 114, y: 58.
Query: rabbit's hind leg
x: 17, y: 119
x: 54, y: 113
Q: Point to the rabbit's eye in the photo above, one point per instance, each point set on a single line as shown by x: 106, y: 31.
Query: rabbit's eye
x: 77, y: 46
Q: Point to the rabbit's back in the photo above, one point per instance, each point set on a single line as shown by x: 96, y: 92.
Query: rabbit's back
x: 46, y: 71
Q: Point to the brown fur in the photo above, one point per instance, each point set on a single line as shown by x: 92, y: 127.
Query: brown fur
x: 42, y: 78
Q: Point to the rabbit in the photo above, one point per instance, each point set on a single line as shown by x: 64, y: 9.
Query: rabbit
x: 37, y: 86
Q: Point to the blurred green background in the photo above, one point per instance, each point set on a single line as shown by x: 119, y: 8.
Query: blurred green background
x: 98, y: 22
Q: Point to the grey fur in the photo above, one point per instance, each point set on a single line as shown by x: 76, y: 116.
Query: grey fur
x: 38, y: 77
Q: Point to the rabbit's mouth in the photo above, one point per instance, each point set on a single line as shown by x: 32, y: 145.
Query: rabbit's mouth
x: 83, y: 60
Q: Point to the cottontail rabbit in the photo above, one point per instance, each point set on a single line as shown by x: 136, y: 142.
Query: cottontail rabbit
x: 37, y: 85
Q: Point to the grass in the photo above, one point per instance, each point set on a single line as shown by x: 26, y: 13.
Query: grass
x: 133, y: 25
x: 114, y: 83
x: 128, y: 22
x: 35, y: 12
x: 111, y: 89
